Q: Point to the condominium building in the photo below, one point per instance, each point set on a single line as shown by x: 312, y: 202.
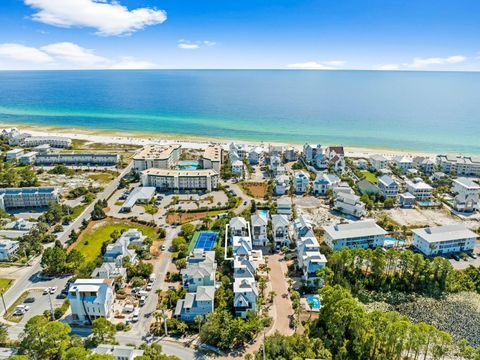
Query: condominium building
x: 388, y: 186
x: 53, y: 141
x: 212, y: 158
x: 360, y: 234
x: 461, y: 165
x: 418, y: 188
x: 90, y: 299
x: 444, y: 239
x: 27, y: 158
x: 76, y: 159
x: 157, y: 156
x: 180, y: 180
x: 28, y: 197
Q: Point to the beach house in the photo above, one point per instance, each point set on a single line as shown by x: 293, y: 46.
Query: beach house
x: 238, y: 226
x: 199, y: 303
x: 378, y: 162
x: 359, y: 234
x: 418, y: 188
x: 119, y: 352
x: 282, y: 184
x: 90, y: 299
x: 323, y: 183
x: 259, y: 229
x: 284, y: 206
x: 388, y: 186
x: 444, y: 239
x: 280, y: 230
x: 301, y: 181
x: 8, y: 248
x: 309, y: 259
x: 310, y: 152
x: 302, y: 227
x: 245, y: 296
x: 403, y: 163
x: 255, y: 155
x: 349, y: 204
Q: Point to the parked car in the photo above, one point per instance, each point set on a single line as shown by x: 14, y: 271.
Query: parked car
x: 456, y: 257
x: 29, y: 300
x: 149, y: 286
x: 46, y: 291
x: 53, y: 289
x: 472, y: 255
x: 135, y: 316
x: 142, y: 301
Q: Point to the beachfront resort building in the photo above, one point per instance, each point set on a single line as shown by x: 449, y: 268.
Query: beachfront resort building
x: 388, y: 186
x: 310, y: 259
x: 444, y: 239
x: 53, y: 141
x: 27, y: 197
x: 212, y: 158
x: 359, y: 234
x: 76, y: 159
x: 349, y: 204
x: 119, y: 352
x: 460, y: 165
x: 259, y: 223
x: 280, y: 231
x: 90, y: 299
x: 301, y: 181
x: 157, y: 156
x: 180, y: 180
x: 418, y: 188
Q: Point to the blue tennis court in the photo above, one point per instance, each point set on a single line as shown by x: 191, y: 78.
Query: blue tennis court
x: 205, y: 240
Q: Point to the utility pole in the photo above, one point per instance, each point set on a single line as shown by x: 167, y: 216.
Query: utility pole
x: 263, y: 346
x: 51, y: 306
x: 4, y: 306
x: 165, y: 322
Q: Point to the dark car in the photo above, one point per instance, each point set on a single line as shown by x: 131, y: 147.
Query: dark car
x: 29, y: 300
x: 456, y: 257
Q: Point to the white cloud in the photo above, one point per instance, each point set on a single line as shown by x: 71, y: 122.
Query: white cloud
x: 335, y: 63
x: 65, y: 55
x: 74, y: 54
x: 422, y: 63
x: 22, y: 53
x: 192, y: 45
x: 313, y: 65
x: 108, y: 17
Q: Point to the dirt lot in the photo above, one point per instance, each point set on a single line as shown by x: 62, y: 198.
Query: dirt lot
x: 255, y: 189
x: 185, y: 217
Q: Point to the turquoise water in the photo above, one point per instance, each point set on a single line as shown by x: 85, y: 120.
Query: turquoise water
x: 390, y: 241
x: 313, y: 301
x: 187, y: 165
x: 429, y: 111
x: 263, y: 212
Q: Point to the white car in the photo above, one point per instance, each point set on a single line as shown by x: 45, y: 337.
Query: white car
x: 149, y: 286
x: 46, y: 291
x: 53, y: 289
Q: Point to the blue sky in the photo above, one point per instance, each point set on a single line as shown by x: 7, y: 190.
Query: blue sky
x: 277, y: 34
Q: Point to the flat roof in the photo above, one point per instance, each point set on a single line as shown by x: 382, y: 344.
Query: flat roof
x: 354, y: 230
x: 213, y: 153
x: 157, y: 152
x: 172, y: 172
x: 445, y: 233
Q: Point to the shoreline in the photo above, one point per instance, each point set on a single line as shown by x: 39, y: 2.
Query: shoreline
x: 188, y: 141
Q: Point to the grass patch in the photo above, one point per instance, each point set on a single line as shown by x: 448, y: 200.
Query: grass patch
x: 150, y: 209
x: 370, y: 176
x: 9, y: 314
x: 103, y: 177
x: 90, y: 241
x: 77, y: 210
x: 5, y: 284
x: 88, y: 145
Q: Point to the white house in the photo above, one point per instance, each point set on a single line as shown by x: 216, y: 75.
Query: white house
x: 110, y: 271
x: 418, y: 188
x: 245, y: 296
x: 300, y: 182
x: 199, y: 303
x: 378, y: 162
x: 388, y: 186
x: 237, y: 167
x: 255, y: 155
x: 302, y: 228
x: 90, y: 299
x: 360, y: 234
x: 13, y: 154
x: 407, y: 200
x: 310, y: 152
x: 280, y: 230
x: 349, y: 204
x: 464, y: 186
x: 116, y: 252
x: 284, y: 206
x: 290, y: 154
x: 403, y: 163
x: 444, y: 239
x: 324, y: 182
x: 238, y: 226
x: 282, y: 184
x: 198, y: 274
x: 119, y: 352
x: 259, y: 229
x: 8, y: 248
x: 309, y: 258
x: 242, y: 246
x: 466, y: 203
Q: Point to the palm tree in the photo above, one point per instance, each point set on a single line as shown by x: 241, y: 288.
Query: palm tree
x: 199, y: 320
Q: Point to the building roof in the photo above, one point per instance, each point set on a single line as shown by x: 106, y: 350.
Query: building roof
x: 184, y: 173
x: 279, y: 220
x: 366, y: 187
x: 142, y: 193
x: 284, y: 202
x: 156, y: 152
x: 377, y: 157
x: 337, y: 149
x: 238, y: 222
x: 386, y: 180
x: 354, y: 230
x: 205, y: 293
x: 418, y: 184
x: 259, y: 219
x: 118, y: 351
x: 213, y: 153
x: 467, y: 183
x: 444, y: 233
x: 407, y: 195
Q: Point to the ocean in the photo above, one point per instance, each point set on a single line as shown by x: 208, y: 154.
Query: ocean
x: 423, y: 111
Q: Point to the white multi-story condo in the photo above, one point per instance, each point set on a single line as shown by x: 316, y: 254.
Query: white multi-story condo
x: 90, y: 299
x: 14, y: 137
x: 8, y: 248
x: 388, y: 186
x: 199, y: 303
x: 309, y: 258
x: 255, y: 155
x: 13, y: 154
x: 280, y: 230
x: 28, y: 197
x: 310, y: 152
x: 418, y: 188
x: 53, y: 141
x: 80, y: 159
x: 157, y: 156
x: 461, y: 165
x: 360, y: 234
x: 180, y: 180
x: 349, y: 204
x: 403, y: 163
x: 378, y: 162
x: 259, y: 229
x: 427, y: 165
x: 467, y: 195
x: 444, y: 239
x: 212, y: 158
x: 301, y: 181
x: 119, y: 352
x: 282, y: 184
x: 27, y: 158
x: 324, y: 182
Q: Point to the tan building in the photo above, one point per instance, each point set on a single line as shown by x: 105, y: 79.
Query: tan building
x: 181, y: 180
x: 157, y: 156
x: 212, y: 158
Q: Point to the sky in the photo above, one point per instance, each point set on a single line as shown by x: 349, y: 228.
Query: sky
x: 439, y: 35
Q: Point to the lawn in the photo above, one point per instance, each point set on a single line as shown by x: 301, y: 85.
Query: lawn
x: 182, y: 218
x: 5, y: 284
x: 370, y: 176
x: 102, y: 177
x: 90, y: 241
x: 77, y: 210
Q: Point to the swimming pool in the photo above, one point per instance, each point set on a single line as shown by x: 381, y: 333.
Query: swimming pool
x: 263, y: 212
x: 187, y: 165
x: 391, y: 241
x: 313, y: 301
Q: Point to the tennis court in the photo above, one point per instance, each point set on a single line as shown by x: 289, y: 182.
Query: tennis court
x: 204, y: 240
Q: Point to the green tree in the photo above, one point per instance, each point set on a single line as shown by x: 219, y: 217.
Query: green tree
x: 103, y: 331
